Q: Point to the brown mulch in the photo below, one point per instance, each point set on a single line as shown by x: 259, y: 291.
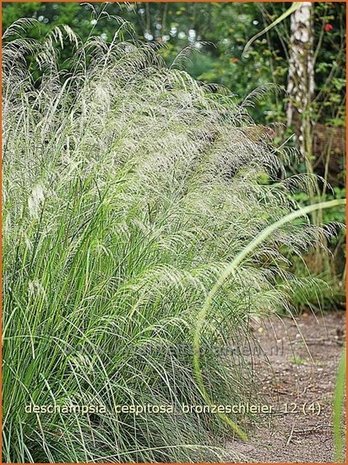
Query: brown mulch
x: 297, y: 371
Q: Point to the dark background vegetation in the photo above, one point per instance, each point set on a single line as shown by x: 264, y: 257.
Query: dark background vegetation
x: 213, y: 37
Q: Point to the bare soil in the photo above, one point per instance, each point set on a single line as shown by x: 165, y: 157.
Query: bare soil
x: 297, y: 371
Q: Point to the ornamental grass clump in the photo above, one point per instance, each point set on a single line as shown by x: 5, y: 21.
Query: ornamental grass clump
x: 128, y: 188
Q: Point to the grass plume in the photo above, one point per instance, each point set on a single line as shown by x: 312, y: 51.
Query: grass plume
x: 128, y: 189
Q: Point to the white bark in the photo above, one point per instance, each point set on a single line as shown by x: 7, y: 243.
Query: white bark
x: 301, y: 65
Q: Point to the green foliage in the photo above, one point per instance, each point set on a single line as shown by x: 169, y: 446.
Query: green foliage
x: 329, y: 216
x: 128, y: 188
x: 330, y: 64
x: 219, y: 31
x: 338, y: 409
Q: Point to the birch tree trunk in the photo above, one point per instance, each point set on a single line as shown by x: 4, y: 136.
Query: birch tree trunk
x: 301, y: 77
x: 300, y: 92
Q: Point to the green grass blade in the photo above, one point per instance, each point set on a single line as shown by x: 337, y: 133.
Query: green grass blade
x: 230, y: 269
x: 338, y: 409
x: 281, y: 18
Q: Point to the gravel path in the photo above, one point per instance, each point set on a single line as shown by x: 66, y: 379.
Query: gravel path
x: 297, y: 381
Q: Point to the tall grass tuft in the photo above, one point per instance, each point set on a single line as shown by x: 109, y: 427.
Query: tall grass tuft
x: 128, y: 188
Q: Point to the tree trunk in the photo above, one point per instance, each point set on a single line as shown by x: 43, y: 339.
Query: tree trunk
x: 301, y: 76
x: 300, y: 93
